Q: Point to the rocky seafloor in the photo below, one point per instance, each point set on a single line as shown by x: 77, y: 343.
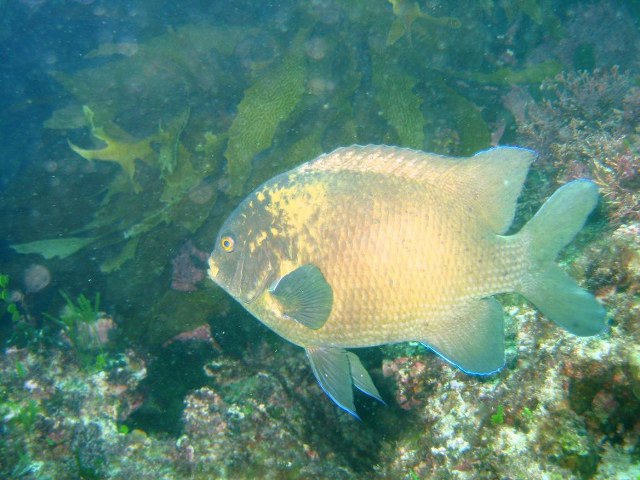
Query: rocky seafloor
x: 564, y: 406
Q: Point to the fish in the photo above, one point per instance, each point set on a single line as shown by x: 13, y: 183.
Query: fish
x: 373, y: 245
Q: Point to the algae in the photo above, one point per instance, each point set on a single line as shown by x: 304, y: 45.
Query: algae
x: 406, y: 12
x: 161, y: 72
x: 266, y: 103
x: 69, y: 117
x: 123, y: 153
x: 400, y: 105
x: 170, y: 143
x: 127, y: 253
x: 54, y: 247
x: 508, y: 76
x: 448, y: 105
x: 212, y: 150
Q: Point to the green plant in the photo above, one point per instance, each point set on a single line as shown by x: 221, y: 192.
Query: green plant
x: 21, y: 415
x: 527, y: 414
x: 498, y: 417
x: 82, y: 311
x: 10, y: 307
x: 21, y: 370
x: 84, y: 326
x: 76, y: 316
x: 27, y: 415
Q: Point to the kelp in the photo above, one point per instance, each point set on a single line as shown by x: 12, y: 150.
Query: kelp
x: 188, y: 100
x: 69, y: 117
x: 509, y: 76
x: 211, y: 150
x: 160, y: 71
x: 447, y: 106
x: 400, y: 105
x: 265, y: 104
x: 406, y: 12
x: 170, y: 143
x: 121, y: 152
x: 127, y: 253
x: 54, y: 247
x: 540, y: 12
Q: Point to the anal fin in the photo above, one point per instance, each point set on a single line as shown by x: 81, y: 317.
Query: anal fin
x: 474, y: 342
x: 337, y: 371
x: 361, y: 378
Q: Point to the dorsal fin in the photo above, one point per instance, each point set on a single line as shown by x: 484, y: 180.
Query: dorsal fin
x: 489, y: 182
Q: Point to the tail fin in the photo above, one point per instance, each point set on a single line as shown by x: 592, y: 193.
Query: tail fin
x: 550, y: 289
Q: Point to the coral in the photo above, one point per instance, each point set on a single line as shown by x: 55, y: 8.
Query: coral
x: 198, y: 334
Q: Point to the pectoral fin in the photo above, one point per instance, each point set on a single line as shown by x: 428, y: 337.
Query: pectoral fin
x: 337, y: 371
x: 475, y: 342
x: 305, y: 296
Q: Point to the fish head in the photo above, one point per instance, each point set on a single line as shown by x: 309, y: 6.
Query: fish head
x: 245, y: 258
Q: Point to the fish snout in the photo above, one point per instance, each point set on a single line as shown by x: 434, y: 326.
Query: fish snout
x: 213, y: 269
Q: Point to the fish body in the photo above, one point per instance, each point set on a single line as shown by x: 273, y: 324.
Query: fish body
x: 370, y: 245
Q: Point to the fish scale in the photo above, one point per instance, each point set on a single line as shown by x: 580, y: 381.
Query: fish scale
x: 371, y: 245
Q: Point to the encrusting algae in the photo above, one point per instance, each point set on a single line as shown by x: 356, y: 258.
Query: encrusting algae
x: 374, y: 245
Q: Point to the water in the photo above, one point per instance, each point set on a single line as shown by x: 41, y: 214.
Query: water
x: 142, y: 368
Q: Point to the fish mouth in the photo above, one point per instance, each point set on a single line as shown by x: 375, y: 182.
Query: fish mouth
x: 213, y: 269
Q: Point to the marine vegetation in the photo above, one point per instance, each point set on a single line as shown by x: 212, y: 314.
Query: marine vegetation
x: 220, y: 109
x: 150, y: 122
x: 585, y: 126
x: 9, y: 307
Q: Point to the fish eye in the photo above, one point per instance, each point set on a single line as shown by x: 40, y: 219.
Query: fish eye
x: 226, y: 243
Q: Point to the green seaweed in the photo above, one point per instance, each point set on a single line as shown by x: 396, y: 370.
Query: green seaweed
x: 9, y: 307
x: 121, y: 152
x: 212, y: 150
x: 127, y: 253
x: 170, y: 143
x: 69, y: 117
x: 406, y: 12
x: 159, y: 67
x: 448, y: 105
x: 498, y: 417
x: 54, y: 247
x: 508, y: 76
x: 400, y: 105
x: 266, y: 103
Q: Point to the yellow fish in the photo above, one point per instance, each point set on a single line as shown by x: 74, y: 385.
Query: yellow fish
x: 370, y: 245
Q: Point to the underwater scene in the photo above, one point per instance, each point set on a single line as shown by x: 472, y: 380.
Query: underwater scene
x: 183, y: 296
